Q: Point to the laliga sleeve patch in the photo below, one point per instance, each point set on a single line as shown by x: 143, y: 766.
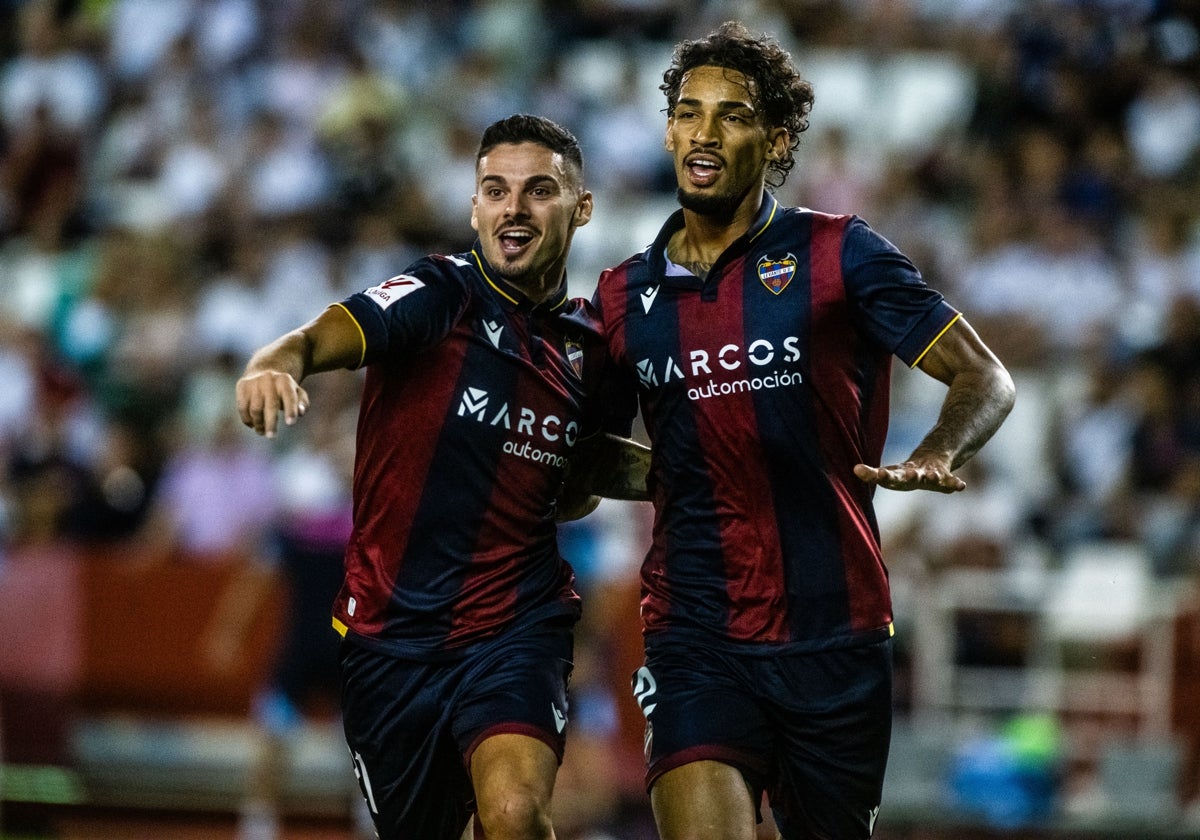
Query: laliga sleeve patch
x: 390, y: 291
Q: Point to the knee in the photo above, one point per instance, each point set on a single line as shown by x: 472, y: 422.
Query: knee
x: 515, y: 815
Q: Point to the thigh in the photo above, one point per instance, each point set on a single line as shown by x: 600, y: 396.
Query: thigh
x: 513, y: 776
x: 517, y: 686
x: 699, y: 707
x: 397, y: 721
x: 832, y: 715
x: 704, y: 799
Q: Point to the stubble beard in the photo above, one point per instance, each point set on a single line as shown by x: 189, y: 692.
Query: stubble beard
x: 719, y: 206
x: 536, y: 281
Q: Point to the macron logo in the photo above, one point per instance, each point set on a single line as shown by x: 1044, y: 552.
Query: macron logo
x: 648, y: 297
x: 645, y: 370
x: 473, y: 404
x: 493, y: 332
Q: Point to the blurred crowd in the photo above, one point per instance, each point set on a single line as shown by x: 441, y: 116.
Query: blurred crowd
x: 183, y: 180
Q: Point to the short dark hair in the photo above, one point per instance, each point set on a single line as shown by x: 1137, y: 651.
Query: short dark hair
x: 526, y: 128
x: 782, y: 95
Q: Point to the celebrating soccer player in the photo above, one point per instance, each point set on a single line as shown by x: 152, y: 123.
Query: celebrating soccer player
x: 457, y: 609
x: 758, y: 340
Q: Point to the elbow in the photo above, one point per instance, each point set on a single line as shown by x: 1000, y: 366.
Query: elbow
x: 1006, y: 390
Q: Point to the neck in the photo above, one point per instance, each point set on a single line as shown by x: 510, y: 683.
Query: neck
x: 538, y: 288
x: 704, y: 237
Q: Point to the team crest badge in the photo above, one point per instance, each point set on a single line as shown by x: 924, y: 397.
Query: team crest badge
x: 575, y: 355
x: 776, y: 274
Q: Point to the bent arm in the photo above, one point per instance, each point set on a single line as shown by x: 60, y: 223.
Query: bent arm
x: 271, y: 381
x: 980, y: 394
x: 606, y: 466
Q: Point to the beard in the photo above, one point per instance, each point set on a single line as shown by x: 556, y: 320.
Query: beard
x: 720, y: 206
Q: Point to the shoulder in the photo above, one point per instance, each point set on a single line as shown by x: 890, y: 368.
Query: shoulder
x: 619, y: 273
x: 849, y: 231
x: 581, y: 315
x: 434, y: 286
x: 446, y: 275
x: 803, y: 226
x: 447, y: 270
x: 615, y: 283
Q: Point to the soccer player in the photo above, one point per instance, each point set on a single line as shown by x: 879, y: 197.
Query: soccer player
x: 758, y: 340
x: 457, y: 609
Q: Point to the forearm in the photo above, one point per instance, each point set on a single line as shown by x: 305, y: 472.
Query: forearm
x: 290, y: 353
x: 621, y: 468
x: 605, y: 466
x: 328, y: 342
x: 976, y: 404
x: 271, y: 382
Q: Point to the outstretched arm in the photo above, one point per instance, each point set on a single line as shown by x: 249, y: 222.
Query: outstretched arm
x: 271, y: 381
x: 605, y: 466
x: 981, y: 394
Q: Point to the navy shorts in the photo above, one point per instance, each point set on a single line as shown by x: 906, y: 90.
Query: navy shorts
x: 811, y: 729
x: 412, y: 726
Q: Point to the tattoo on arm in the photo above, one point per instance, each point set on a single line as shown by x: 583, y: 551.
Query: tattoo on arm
x: 975, y: 406
x: 621, y: 472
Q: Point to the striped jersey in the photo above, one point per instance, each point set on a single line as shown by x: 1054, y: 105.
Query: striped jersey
x: 761, y: 387
x: 472, y: 402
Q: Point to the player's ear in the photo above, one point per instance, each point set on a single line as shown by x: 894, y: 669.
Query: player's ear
x: 777, y: 143
x: 583, y: 210
x: 475, y: 212
x: 668, y: 141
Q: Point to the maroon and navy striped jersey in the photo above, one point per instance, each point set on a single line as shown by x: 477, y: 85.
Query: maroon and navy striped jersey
x: 472, y: 402
x: 761, y: 387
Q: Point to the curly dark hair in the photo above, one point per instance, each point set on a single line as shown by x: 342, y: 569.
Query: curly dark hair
x: 783, y: 97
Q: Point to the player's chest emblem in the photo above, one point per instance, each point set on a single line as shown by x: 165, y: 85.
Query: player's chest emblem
x: 574, y: 351
x: 776, y: 274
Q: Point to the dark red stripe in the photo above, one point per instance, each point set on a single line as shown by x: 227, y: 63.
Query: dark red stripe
x: 393, y: 461
x: 727, y: 429
x: 834, y: 373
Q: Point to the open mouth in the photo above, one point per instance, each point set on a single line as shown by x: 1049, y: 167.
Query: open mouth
x: 515, y: 241
x: 702, y: 169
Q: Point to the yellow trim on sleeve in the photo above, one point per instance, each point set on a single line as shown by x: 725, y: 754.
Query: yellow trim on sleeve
x: 341, y: 628
x: 891, y: 629
x: 362, y: 336
x: 936, y: 338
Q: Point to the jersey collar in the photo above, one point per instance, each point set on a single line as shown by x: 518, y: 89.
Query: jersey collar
x: 510, y: 294
x: 657, y: 257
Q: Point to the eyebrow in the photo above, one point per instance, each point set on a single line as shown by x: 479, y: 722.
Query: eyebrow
x: 724, y: 104
x: 532, y: 180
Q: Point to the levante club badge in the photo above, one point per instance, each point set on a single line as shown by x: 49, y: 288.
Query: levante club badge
x: 776, y: 274
x: 575, y: 355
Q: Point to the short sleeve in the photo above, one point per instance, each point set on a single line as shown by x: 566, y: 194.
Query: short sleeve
x: 410, y: 312
x: 891, y: 301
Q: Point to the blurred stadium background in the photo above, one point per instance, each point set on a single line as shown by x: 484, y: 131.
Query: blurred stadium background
x: 182, y: 180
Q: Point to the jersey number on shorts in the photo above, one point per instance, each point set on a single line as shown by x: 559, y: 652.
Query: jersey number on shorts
x: 644, y: 688
x: 364, y: 781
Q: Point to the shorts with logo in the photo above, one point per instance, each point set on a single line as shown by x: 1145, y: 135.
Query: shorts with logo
x: 812, y: 729
x: 412, y: 726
